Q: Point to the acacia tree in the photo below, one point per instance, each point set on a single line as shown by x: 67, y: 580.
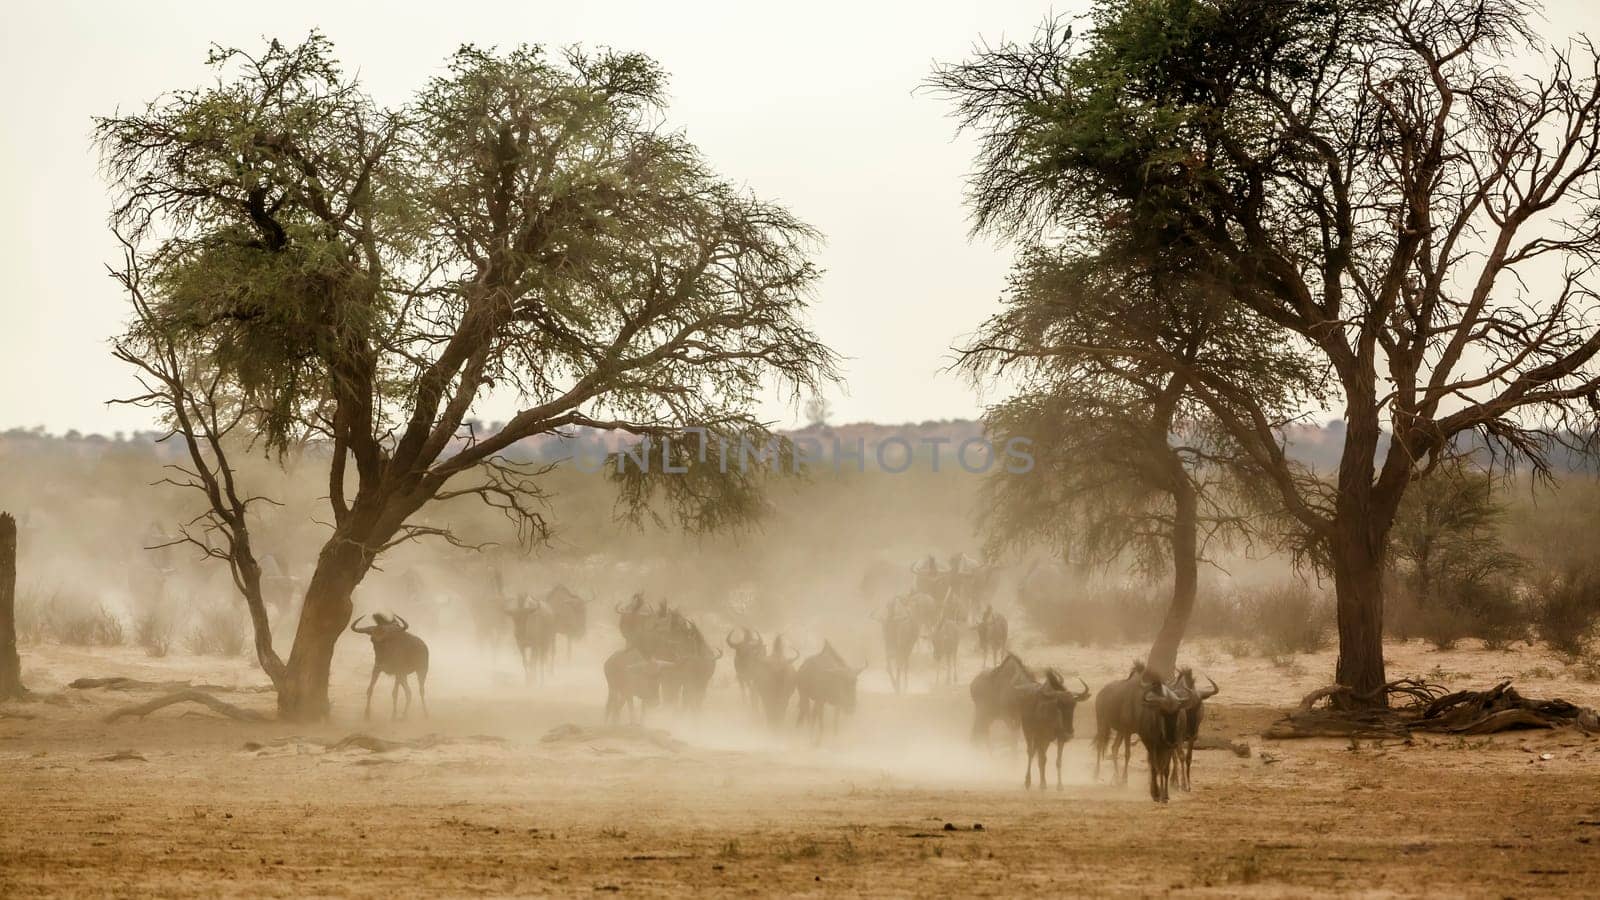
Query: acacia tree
x: 305, y: 265
x: 1381, y: 183
x: 1446, y: 532
x: 1128, y: 463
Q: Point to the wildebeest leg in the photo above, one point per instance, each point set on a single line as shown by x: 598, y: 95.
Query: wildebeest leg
x: 394, y: 700
x: 370, y: 685
x: 1127, y: 755
x: 611, y: 706
x: 422, y: 692
x: 405, y: 685
x: 1060, y: 746
x: 1027, y: 768
x: 527, y: 673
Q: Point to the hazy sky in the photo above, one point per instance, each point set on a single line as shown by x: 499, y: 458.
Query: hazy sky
x: 810, y: 104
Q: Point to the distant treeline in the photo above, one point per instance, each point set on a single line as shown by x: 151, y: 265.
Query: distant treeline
x: 1316, y: 446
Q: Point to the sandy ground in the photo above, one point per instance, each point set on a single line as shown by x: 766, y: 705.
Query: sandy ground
x: 891, y: 805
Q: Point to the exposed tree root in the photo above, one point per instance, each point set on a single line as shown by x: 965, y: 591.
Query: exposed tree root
x: 375, y: 744
x: 121, y: 683
x: 188, y: 696
x: 1431, y: 709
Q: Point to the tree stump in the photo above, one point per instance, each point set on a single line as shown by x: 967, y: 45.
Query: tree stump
x: 10, y: 663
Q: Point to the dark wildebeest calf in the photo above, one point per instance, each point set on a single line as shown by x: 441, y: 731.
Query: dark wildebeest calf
x: 569, y: 615
x: 1115, y: 721
x: 534, y: 627
x: 398, y: 653
x: 1189, y: 719
x: 1047, y: 712
x: 946, y: 641
x: 993, y: 635
x: 825, y: 679
x: 900, y: 634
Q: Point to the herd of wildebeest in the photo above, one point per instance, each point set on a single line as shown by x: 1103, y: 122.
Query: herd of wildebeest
x: 666, y: 659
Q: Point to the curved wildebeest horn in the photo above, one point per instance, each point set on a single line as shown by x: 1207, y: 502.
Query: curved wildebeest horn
x: 1204, y: 695
x: 353, y: 625
x: 1085, y: 695
x: 404, y: 625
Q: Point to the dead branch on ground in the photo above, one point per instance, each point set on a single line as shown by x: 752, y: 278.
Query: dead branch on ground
x: 1431, y: 709
x: 188, y: 696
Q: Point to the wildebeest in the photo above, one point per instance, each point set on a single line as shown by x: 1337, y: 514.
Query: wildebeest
x: 993, y: 635
x: 398, y: 653
x: 946, y: 641
x: 748, y: 653
x: 660, y: 632
x: 693, y: 663
x: 569, y: 615
x: 1115, y: 721
x: 1189, y: 720
x: 900, y: 634
x: 825, y: 679
x: 534, y: 627
x: 668, y: 635
x: 775, y: 681
x: 631, y: 676
x: 998, y: 694
x: 1156, y: 717
x: 1047, y: 712
x: 633, y: 619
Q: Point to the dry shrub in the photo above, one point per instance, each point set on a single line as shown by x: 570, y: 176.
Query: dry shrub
x: 1098, y: 615
x: 1285, y: 618
x: 1565, y: 608
x: 1485, y: 609
x: 221, y: 629
x: 32, y: 616
x: 154, y: 629
x: 77, y: 621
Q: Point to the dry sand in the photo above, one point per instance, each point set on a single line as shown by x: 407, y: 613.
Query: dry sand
x: 725, y: 807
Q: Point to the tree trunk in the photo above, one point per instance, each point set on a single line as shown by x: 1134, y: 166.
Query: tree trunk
x: 303, y: 695
x: 1163, y: 660
x: 1358, y: 586
x: 10, y: 663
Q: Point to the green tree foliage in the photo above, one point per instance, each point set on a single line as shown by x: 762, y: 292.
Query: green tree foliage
x: 1102, y: 353
x: 1383, y: 185
x: 307, y: 265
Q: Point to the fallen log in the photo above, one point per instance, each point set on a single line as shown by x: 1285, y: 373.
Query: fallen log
x: 374, y: 744
x: 123, y: 683
x: 188, y: 696
x: 1432, y: 709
